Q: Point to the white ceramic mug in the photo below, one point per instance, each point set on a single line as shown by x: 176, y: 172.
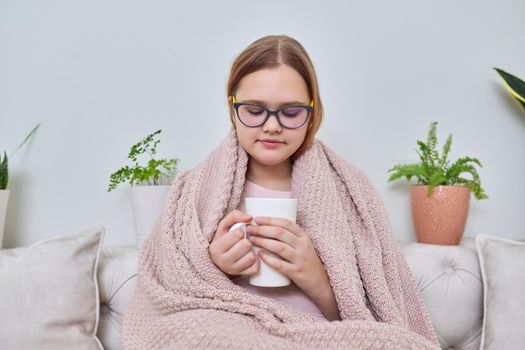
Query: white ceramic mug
x: 269, y: 207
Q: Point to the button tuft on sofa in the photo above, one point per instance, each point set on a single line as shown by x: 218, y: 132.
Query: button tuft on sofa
x: 449, y: 270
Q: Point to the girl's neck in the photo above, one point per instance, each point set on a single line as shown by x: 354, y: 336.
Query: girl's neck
x: 275, y: 177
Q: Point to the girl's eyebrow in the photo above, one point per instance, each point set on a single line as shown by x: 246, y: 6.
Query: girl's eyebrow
x: 289, y: 103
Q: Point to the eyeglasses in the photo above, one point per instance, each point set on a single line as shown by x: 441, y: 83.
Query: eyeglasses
x: 254, y: 115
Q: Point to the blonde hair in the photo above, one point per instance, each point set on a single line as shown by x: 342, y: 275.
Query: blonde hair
x: 270, y: 52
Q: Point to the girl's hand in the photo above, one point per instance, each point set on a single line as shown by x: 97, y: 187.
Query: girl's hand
x: 299, y: 260
x: 230, y: 250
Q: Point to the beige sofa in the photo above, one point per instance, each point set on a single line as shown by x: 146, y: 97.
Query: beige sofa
x: 448, y: 276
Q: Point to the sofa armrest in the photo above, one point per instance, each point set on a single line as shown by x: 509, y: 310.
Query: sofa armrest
x: 117, y: 276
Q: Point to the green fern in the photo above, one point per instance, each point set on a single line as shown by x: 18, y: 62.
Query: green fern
x: 434, y: 170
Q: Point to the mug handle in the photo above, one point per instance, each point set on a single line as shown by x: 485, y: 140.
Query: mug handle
x: 239, y: 224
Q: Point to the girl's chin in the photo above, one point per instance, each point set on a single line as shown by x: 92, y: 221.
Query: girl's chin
x: 269, y: 159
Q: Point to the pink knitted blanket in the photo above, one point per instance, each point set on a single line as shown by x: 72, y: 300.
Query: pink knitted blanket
x: 182, y: 300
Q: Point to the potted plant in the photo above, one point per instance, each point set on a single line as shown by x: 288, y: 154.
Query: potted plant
x: 514, y: 85
x: 149, y: 184
x: 440, y: 199
x: 4, y: 181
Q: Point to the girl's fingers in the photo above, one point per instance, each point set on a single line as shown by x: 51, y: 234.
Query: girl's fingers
x: 275, y: 232
x: 252, y: 269
x: 280, y: 265
x: 245, y: 261
x: 281, y: 222
x: 282, y: 249
x: 238, y: 250
x: 230, y: 239
x: 232, y: 218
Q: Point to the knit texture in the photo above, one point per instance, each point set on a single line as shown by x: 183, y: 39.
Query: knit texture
x: 183, y: 300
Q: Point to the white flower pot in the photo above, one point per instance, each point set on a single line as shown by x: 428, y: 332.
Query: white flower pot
x: 146, y: 204
x: 4, y: 197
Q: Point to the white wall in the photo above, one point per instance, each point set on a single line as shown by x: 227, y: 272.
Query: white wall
x: 100, y: 75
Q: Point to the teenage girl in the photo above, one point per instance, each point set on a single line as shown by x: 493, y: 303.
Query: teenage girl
x: 276, y: 110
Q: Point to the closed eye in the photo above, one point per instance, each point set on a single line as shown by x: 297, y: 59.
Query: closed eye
x: 255, y: 111
x: 292, y: 112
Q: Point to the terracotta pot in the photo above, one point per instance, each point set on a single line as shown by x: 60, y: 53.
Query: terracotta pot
x: 440, y: 218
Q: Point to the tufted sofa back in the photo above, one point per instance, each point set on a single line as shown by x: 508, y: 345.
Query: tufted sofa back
x: 448, y: 277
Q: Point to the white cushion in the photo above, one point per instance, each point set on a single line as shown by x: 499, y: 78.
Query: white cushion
x: 502, y: 263
x: 49, y: 296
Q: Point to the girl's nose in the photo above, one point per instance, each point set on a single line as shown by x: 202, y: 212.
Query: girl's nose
x: 272, y: 124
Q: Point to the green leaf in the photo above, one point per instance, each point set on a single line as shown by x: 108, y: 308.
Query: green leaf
x: 459, y: 166
x: 4, y: 172
x: 406, y: 170
x: 144, y: 146
x: 424, y: 156
x: 121, y: 175
x: 514, y: 85
x: 31, y: 133
x: 475, y: 187
x: 431, y: 137
x: 446, y: 149
x: 438, y: 178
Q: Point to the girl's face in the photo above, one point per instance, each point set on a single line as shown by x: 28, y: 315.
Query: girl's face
x: 272, y: 88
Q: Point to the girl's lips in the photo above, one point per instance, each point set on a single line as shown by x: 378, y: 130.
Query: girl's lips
x: 270, y: 144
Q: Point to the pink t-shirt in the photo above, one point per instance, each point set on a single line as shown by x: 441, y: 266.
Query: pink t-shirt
x: 291, y: 293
